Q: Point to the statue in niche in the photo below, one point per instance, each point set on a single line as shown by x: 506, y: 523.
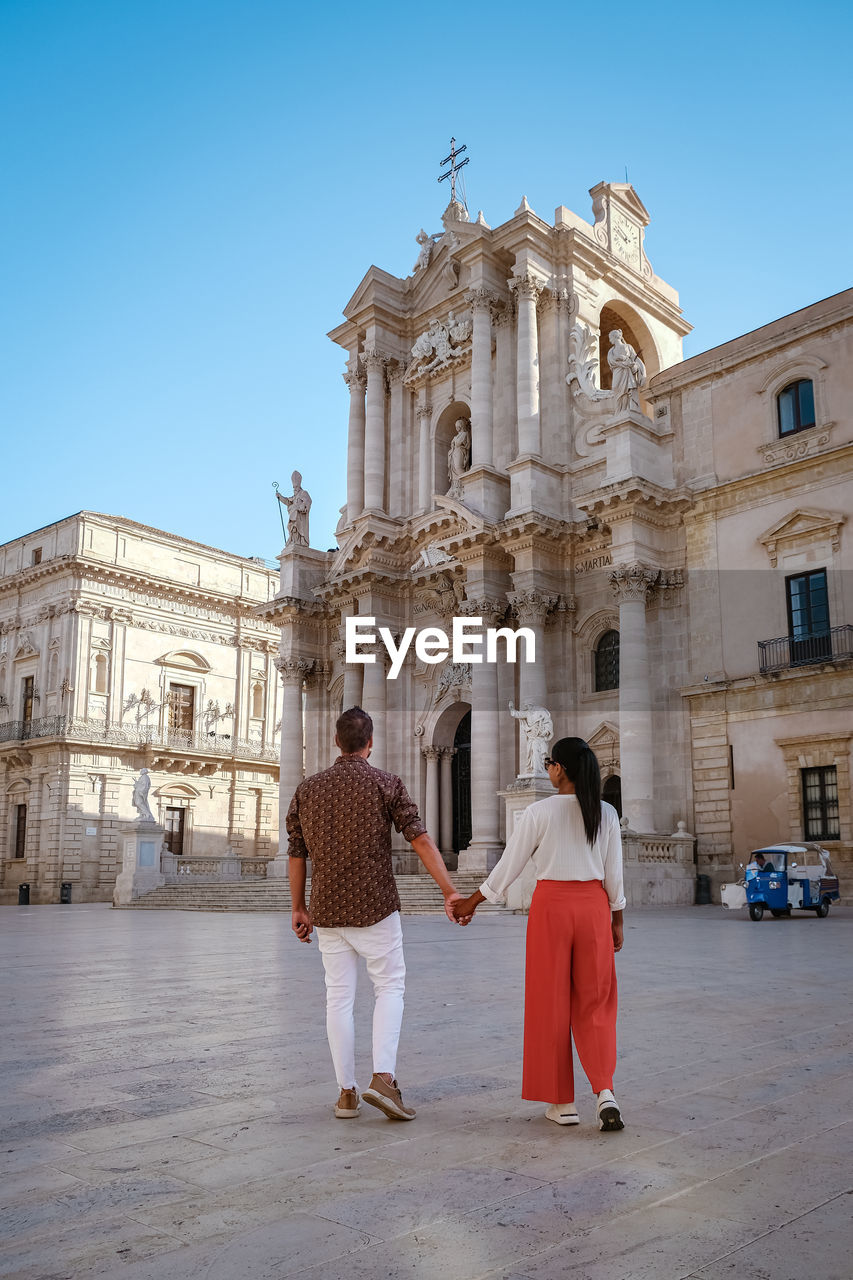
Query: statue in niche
x: 298, y: 506
x: 459, y: 457
x: 629, y: 372
x: 538, y: 728
x: 141, y: 787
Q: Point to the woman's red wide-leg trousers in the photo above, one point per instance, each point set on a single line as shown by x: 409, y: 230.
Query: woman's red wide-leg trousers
x: 570, y: 990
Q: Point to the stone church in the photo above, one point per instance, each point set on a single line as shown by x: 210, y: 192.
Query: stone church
x: 526, y: 446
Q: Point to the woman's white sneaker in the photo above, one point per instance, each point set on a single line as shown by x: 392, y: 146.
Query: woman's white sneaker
x: 562, y: 1113
x: 609, y: 1115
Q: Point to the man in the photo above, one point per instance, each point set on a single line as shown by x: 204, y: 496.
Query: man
x: 341, y: 820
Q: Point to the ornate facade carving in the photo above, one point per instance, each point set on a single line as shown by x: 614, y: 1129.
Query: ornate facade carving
x: 633, y: 582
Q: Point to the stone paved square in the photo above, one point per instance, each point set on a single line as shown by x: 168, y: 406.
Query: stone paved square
x: 167, y: 1107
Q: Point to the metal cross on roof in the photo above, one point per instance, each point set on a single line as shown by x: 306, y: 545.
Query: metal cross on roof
x: 454, y: 166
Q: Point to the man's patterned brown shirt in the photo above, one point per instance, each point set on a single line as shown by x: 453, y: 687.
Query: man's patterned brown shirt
x: 341, y: 820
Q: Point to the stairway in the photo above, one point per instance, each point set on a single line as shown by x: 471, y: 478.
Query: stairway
x: 418, y: 896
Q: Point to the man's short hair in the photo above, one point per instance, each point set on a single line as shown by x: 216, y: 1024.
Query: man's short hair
x: 354, y: 729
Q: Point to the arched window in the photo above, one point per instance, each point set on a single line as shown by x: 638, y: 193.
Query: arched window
x: 795, y: 407
x: 257, y: 701
x: 607, y: 662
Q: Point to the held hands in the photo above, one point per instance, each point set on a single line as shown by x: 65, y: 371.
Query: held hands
x: 300, y: 923
x: 464, y: 908
x: 450, y: 902
x: 616, y: 931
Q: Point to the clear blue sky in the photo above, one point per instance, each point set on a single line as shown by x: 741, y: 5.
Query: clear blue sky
x: 194, y: 188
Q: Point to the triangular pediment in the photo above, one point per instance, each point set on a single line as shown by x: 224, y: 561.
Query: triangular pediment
x: 624, y: 196
x: 803, y: 522
x: 377, y: 288
x: 26, y: 648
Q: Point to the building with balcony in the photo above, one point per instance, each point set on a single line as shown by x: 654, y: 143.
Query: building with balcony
x: 122, y: 647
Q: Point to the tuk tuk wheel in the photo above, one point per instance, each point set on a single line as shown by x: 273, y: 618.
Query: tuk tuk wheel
x: 822, y: 910
x: 778, y: 912
x: 756, y: 910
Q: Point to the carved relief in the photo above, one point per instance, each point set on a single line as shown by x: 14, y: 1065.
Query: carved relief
x: 440, y: 346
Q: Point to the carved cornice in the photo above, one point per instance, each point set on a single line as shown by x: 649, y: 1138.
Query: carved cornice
x: 633, y: 582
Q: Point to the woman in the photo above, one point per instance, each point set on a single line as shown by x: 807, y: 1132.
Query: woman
x: 575, y: 926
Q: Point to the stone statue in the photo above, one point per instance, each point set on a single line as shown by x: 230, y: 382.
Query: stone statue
x: 459, y: 457
x: 141, y: 787
x: 538, y: 730
x: 426, y: 243
x: 298, y: 507
x: 629, y: 372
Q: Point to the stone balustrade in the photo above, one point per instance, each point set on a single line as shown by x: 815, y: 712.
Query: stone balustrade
x: 676, y: 849
x: 211, y: 870
x: 98, y: 731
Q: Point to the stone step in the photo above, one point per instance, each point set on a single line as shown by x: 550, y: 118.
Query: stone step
x: 418, y: 896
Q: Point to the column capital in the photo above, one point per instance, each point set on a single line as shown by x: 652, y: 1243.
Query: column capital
x: 430, y: 753
x: 531, y: 608
x: 482, y: 299
x: 633, y: 582
x: 490, y: 608
x: 447, y: 752
x: 423, y: 410
x: 293, y: 670
x: 374, y: 360
x: 355, y: 380
x: 526, y: 286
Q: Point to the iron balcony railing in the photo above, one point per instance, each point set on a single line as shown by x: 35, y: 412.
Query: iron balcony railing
x: 220, y: 744
x: 800, y: 651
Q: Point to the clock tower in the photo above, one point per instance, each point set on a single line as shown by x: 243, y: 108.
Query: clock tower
x: 620, y: 222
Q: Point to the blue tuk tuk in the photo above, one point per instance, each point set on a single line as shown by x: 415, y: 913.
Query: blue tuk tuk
x: 781, y: 878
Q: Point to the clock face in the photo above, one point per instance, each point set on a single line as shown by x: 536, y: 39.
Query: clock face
x: 625, y: 239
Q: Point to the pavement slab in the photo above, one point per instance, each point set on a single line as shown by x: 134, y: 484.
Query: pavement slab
x: 167, y: 1107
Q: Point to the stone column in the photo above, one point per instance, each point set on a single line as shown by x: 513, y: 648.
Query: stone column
x: 293, y: 673
x: 446, y: 804
x: 527, y: 289
x: 431, y: 801
x: 485, y: 844
x: 374, y: 703
x: 424, y: 416
x: 355, y: 445
x: 530, y: 609
x: 374, y: 431
x: 482, y: 446
x: 631, y: 585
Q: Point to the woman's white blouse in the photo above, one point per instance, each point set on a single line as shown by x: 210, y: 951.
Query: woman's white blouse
x: 551, y: 833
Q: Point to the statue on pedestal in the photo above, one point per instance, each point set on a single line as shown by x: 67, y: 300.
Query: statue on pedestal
x: 298, y: 507
x: 629, y: 372
x: 141, y: 787
x: 538, y: 728
x: 459, y: 457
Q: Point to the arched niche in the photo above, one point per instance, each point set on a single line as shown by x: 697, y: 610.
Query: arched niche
x: 617, y: 314
x: 445, y: 430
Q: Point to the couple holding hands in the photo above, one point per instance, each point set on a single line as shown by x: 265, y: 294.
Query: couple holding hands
x: 341, y: 819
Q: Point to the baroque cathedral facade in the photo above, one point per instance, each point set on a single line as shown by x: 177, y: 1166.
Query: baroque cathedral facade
x: 526, y: 446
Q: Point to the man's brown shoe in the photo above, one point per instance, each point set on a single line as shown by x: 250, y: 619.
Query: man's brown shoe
x: 348, y: 1104
x: 387, y: 1098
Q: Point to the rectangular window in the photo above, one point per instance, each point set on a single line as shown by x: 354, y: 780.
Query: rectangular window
x: 27, y: 698
x: 175, y: 824
x: 820, y: 803
x: 20, y: 831
x: 37, y: 556
x: 181, y: 707
x: 808, y: 617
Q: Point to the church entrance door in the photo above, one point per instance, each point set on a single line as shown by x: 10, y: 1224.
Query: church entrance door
x: 462, y: 784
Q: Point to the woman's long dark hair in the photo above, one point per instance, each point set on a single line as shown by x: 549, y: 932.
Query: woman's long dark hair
x: 578, y: 759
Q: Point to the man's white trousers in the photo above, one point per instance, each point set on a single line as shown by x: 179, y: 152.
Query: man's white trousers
x: 381, y: 945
